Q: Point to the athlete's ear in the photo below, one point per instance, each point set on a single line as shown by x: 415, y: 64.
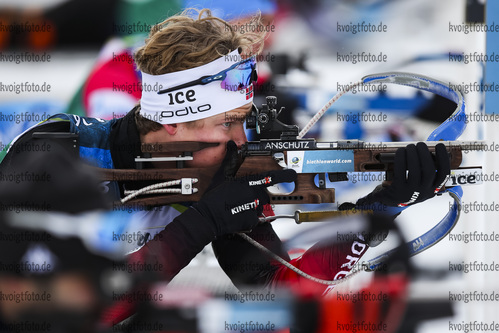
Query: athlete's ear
x: 171, y: 128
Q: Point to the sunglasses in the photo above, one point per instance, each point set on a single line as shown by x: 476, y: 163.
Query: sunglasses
x: 237, y: 77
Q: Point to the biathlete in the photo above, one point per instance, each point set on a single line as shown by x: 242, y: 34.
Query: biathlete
x: 197, y: 79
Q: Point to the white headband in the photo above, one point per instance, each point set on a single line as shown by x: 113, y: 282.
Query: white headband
x: 191, y: 103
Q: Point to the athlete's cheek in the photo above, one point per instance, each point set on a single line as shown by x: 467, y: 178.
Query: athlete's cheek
x: 208, y: 156
x: 219, y: 154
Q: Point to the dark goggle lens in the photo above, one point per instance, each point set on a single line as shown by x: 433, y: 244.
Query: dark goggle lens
x: 241, y: 76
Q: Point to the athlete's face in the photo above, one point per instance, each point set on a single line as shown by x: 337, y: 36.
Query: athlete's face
x: 220, y: 128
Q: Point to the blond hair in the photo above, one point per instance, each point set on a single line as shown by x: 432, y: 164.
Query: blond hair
x: 182, y: 42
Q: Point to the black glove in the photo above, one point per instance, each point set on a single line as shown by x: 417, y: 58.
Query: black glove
x: 233, y: 205
x: 425, y: 179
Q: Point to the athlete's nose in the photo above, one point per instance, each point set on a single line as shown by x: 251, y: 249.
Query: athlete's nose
x: 239, y: 136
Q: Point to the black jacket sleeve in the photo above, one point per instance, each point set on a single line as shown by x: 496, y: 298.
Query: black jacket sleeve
x: 174, y: 247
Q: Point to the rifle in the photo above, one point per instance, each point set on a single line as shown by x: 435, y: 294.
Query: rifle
x: 311, y: 159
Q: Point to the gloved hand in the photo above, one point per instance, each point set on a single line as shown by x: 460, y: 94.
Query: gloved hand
x: 425, y: 179
x: 233, y: 205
